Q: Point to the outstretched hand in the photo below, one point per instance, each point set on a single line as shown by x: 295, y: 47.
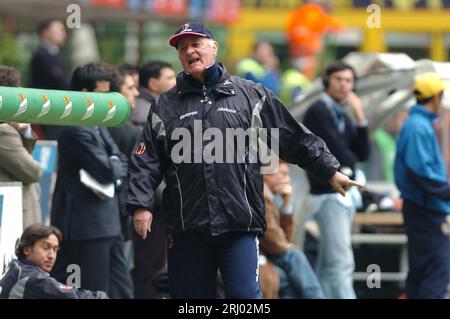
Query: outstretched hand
x: 342, y: 183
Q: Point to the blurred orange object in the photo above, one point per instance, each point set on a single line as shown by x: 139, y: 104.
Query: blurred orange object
x: 171, y: 8
x: 223, y: 12
x: 304, y: 29
x: 306, y: 26
x: 109, y: 3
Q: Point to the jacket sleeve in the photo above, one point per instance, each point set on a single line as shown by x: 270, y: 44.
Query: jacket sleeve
x: 48, y: 71
x: 360, y: 142
x: 46, y: 287
x: 320, y: 122
x: 145, y: 166
x: 297, y: 144
x: 119, y: 164
x: 82, y: 145
x: 15, y: 159
x: 421, y: 165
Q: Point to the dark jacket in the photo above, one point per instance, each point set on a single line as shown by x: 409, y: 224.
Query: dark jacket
x: 76, y: 210
x: 126, y: 138
x: 140, y: 111
x: 48, y: 71
x: 24, y: 280
x: 349, y: 145
x: 216, y: 197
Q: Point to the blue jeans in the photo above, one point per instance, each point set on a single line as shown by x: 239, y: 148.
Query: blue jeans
x: 335, y: 264
x: 297, y: 278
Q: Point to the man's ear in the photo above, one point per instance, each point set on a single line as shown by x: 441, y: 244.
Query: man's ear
x: 27, y: 250
x: 215, y: 48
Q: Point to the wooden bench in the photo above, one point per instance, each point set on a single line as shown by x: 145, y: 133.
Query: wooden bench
x: 381, y: 219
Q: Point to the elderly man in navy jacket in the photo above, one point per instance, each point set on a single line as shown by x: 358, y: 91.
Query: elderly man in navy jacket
x: 214, y: 208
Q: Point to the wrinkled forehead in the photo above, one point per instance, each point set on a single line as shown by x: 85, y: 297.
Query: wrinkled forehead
x: 191, y: 38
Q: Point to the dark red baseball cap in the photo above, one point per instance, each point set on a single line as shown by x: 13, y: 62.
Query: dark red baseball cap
x: 190, y: 28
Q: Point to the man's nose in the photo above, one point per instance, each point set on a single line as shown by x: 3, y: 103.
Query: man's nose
x: 189, y: 49
x: 52, y: 254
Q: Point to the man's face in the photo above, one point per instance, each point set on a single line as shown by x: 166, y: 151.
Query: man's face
x: 265, y: 54
x: 129, y: 89
x: 55, y: 33
x: 43, y: 252
x: 340, y: 84
x: 196, y: 53
x: 436, y: 103
x: 135, y: 77
x: 167, y: 80
x: 102, y: 86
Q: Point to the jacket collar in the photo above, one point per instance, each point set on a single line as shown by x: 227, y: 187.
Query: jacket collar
x: 50, y: 48
x: 422, y: 110
x: 145, y: 94
x: 216, y: 79
x: 30, y: 263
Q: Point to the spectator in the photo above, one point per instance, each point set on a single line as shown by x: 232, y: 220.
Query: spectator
x: 422, y: 179
x: 262, y: 67
x: 47, y: 67
x: 349, y: 142
x: 125, y: 136
x: 17, y: 164
x: 132, y: 70
x: 293, y: 83
x: 380, y: 165
x: 90, y: 222
x: 150, y: 254
x: 297, y: 278
x: 155, y: 78
x: 28, y: 277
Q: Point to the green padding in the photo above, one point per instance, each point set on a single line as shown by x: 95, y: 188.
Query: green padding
x: 56, y: 107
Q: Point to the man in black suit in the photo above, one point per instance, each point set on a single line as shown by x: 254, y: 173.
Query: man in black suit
x: 47, y: 67
x: 126, y: 136
x: 150, y: 254
x: 90, y: 223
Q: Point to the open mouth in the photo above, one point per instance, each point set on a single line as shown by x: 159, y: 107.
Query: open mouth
x: 192, y: 61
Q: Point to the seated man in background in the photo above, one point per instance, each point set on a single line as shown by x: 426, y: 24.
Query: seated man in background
x: 297, y: 278
x: 28, y: 277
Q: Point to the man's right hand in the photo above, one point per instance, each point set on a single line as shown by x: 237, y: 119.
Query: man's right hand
x: 142, y: 221
x: 342, y: 183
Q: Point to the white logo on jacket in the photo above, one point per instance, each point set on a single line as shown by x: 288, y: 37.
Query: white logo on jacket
x: 225, y: 109
x: 188, y: 114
